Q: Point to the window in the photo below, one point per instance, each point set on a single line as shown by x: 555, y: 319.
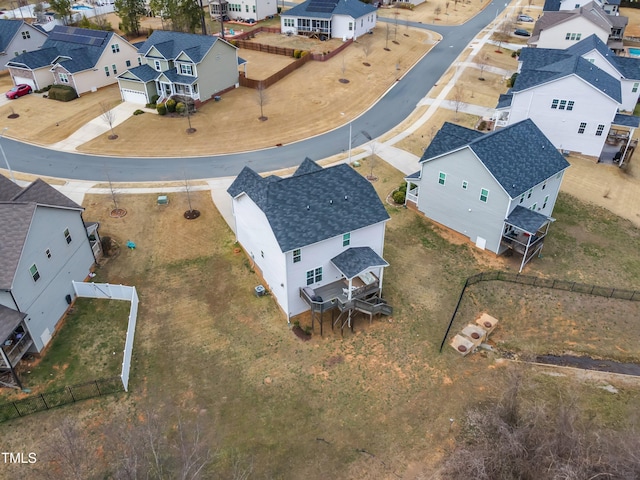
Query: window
x: 115, y: 48
x: 314, y: 276
x: 156, y: 65
x: 246, y: 8
x: 599, y: 130
x: 546, y: 199
x: 554, y: 103
x: 578, y: 36
x: 262, y: 253
x: 346, y: 239
x: 26, y: 35
x: 106, y: 71
x: 115, y: 70
x: 186, y: 69
x: 254, y: 9
x: 289, y: 22
x: 529, y: 193
x: 544, y: 185
x: 635, y: 87
x: 484, y: 195
x: 570, y: 104
x: 465, y: 184
x: 63, y: 78
x: 567, y: 36
x: 582, y: 127
x: 297, y: 255
x: 67, y: 235
x: 442, y: 177
x: 139, y: 60
x: 350, y: 26
x: 563, y: 105
x: 128, y: 63
x: 361, y: 22
x: 522, y: 198
x: 47, y: 252
x: 533, y: 207
x: 34, y: 272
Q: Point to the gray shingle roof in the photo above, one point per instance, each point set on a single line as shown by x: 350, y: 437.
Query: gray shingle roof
x: 351, y: 8
x: 504, y: 100
x: 16, y: 213
x: 144, y: 72
x: 449, y: 137
x: 8, y: 189
x: 174, y: 77
x: 526, y: 219
x: 311, y: 207
x: 356, y: 260
x: 629, y: 67
x: 8, y: 30
x: 171, y: 44
x: 626, y: 120
x: 15, y: 219
x: 69, y: 42
x: 9, y: 320
x: 414, y: 175
x: 518, y: 156
x: 551, y: 6
x: 572, y: 65
x: 307, y: 166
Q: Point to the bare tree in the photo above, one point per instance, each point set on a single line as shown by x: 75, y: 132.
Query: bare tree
x: 437, y: 11
x: 386, y: 38
x: 366, y: 45
x: 262, y: 99
x: 109, y: 116
x: 455, y: 5
x: 457, y: 98
x: 112, y: 190
x: 191, y: 213
x: 446, y: 8
x: 504, y: 32
x: 482, y: 60
x: 67, y: 454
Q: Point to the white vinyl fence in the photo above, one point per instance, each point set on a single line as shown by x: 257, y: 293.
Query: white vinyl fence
x: 115, y: 292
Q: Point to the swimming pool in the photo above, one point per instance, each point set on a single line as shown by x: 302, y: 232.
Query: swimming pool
x: 84, y: 7
x: 634, y: 52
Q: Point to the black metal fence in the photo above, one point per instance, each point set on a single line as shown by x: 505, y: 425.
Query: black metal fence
x: 567, y: 286
x: 62, y: 396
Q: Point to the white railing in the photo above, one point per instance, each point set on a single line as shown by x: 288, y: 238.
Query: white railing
x: 115, y: 292
x: 412, y: 195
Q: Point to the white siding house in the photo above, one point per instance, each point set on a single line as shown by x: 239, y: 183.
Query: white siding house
x: 294, y: 229
x: 16, y: 37
x: 574, y: 95
x: 329, y: 18
x: 248, y: 10
x: 497, y: 189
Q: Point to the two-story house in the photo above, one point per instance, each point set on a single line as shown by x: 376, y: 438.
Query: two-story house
x: 611, y: 7
x: 315, y: 236
x: 43, y: 247
x: 564, y: 28
x: 329, y: 19
x: 16, y: 37
x: 82, y: 58
x: 497, y: 189
x: 175, y: 63
x: 247, y: 10
x: 574, y: 95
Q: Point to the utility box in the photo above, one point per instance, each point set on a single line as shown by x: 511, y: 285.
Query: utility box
x: 163, y: 200
x: 260, y: 291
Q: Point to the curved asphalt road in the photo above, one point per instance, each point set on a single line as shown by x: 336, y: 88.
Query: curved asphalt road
x: 390, y: 110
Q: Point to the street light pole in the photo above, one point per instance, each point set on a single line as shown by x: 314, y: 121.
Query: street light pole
x: 5, y: 156
x: 349, y: 142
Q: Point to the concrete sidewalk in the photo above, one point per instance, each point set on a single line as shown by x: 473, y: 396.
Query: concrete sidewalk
x: 98, y: 126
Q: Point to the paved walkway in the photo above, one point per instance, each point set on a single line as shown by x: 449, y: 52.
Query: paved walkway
x: 405, y: 162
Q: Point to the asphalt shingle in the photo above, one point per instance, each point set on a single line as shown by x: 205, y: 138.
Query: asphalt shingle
x: 311, y: 207
x: 172, y: 44
x: 526, y: 219
x: 356, y: 260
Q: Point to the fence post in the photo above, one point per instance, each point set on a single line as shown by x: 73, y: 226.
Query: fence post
x: 17, y: 409
x: 44, y: 401
x: 572, y: 286
x: 444, y: 339
x: 71, y: 393
x: 633, y: 294
x: 612, y: 292
x: 97, y: 387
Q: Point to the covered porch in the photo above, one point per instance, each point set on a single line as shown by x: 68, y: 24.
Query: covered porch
x: 523, y: 233
x: 359, y: 289
x: 620, y: 145
x: 172, y: 83
x: 16, y: 341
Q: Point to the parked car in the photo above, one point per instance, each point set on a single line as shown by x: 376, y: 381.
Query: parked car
x: 525, y: 18
x: 18, y: 91
x: 521, y: 32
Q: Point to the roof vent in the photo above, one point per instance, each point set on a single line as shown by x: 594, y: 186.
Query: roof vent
x: 308, y: 207
x: 346, y: 197
x: 330, y: 202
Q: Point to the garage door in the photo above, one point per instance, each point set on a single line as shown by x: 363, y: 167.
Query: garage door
x: 134, y: 96
x: 28, y: 81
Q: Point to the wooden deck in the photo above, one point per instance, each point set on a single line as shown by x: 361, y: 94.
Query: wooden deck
x: 333, y: 293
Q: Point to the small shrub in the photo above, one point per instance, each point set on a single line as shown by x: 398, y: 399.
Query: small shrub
x: 482, y: 125
x: 150, y: 105
x: 402, y: 187
x: 162, y: 109
x: 512, y: 80
x: 138, y: 112
x: 171, y: 105
x: 154, y: 98
x: 180, y: 108
x: 106, y: 245
x: 303, y: 53
x: 63, y: 93
x: 399, y: 196
x: 296, y: 54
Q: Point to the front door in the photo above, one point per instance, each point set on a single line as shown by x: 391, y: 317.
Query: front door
x: 166, y: 88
